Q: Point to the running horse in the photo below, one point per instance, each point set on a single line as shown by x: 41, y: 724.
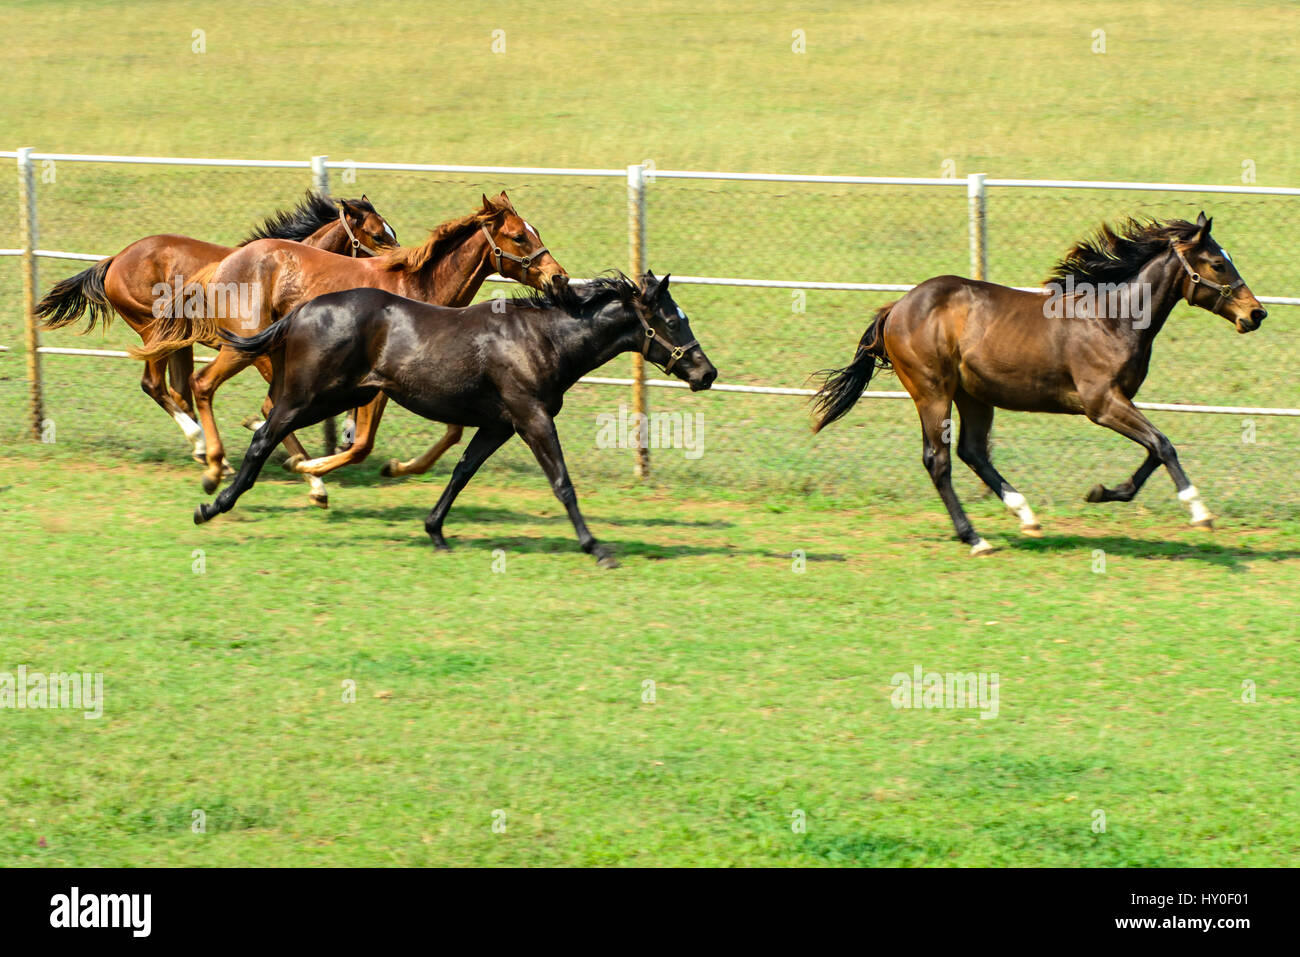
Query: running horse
x: 504, y: 371
x: 134, y: 281
x: 1072, y: 352
x: 447, y: 269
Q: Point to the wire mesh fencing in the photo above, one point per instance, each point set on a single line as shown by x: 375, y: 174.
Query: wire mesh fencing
x: 797, y: 237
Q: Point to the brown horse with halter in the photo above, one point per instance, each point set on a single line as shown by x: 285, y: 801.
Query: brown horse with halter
x: 1081, y: 349
x: 135, y: 281
x: 447, y: 269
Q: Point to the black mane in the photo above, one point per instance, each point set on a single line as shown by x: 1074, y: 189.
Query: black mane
x: 315, y: 210
x: 583, y: 299
x: 1115, y: 255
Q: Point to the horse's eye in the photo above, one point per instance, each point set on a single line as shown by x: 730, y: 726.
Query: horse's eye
x: 1218, y: 265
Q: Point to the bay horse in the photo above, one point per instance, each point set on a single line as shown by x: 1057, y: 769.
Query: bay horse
x: 448, y: 269
x: 1081, y: 349
x: 502, y: 371
x: 131, y: 283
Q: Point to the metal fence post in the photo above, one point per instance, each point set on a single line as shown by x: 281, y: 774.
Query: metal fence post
x: 31, y: 333
x: 977, y: 199
x: 636, y: 267
x: 320, y: 175
x: 320, y: 182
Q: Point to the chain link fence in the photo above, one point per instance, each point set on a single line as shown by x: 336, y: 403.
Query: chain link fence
x: 795, y: 237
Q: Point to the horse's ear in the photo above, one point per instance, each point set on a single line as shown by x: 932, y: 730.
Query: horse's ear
x: 487, y: 204
x: 1203, y: 225
x: 504, y: 201
x: 663, y: 286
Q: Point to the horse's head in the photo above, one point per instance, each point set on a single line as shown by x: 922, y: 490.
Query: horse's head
x: 365, y: 225
x: 667, y: 340
x: 516, y: 249
x: 1212, y: 282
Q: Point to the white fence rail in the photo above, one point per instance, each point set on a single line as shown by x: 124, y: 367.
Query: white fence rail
x: 639, y: 179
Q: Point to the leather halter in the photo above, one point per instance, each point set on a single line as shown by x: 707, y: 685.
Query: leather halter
x: 1225, y: 289
x: 675, y: 352
x: 499, y: 254
x: 356, y: 243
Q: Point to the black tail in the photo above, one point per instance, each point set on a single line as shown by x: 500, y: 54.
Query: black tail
x: 71, y: 298
x: 843, y: 387
x: 266, y: 341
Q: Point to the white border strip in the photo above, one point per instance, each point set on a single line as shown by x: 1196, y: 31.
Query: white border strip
x: 747, y: 389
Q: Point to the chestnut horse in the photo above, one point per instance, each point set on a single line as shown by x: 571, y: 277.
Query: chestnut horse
x: 1083, y: 349
x: 502, y: 370
x: 447, y: 269
x: 133, y: 282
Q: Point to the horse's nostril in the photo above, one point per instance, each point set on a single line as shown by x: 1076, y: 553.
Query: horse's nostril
x: 1259, y: 315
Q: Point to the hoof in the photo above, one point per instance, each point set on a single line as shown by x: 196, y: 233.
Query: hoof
x: 210, y: 484
x: 607, y: 561
x: 292, y: 462
x: 1032, y: 531
x: 440, y: 544
x: 981, y: 548
x: 1205, y: 524
x: 227, y: 469
x: 320, y: 501
x: 200, y: 514
x: 390, y: 468
x: 252, y: 422
x: 1096, y: 494
x: 200, y: 457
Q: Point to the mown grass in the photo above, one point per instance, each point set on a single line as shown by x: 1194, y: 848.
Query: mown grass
x: 522, y: 691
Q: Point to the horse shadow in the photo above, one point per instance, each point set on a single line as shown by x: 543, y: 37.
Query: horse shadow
x: 1236, y: 558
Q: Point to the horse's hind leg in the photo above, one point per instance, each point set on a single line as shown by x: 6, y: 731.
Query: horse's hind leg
x: 1115, y: 411
x: 936, y: 455
x: 319, y: 494
x: 1127, y: 491
x: 422, y: 464
x: 973, y: 449
x: 154, y: 383
x: 281, y: 421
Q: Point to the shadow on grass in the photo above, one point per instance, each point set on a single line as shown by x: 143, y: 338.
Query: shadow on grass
x: 488, y: 513
x: 1235, y: 557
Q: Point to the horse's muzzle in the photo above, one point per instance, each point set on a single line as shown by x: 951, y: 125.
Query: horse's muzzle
x: 1253, y: 322
x: 702, y: 381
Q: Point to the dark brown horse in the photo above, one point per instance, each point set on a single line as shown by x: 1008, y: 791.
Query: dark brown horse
x: 1082, y: 349
x: 503, y: 371
x: 447, y: 269
x: 133, y: 283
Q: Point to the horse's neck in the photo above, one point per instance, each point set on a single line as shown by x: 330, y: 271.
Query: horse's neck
x: 588, y: 344
x: 1163, y: 276
x: 330, y: 238
x: 455, y: 276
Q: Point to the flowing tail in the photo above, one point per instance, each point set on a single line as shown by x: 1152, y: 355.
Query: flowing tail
x: 268, y: 340
x: 187, y: 319
x: 77, y: 296
x: 843, y: 387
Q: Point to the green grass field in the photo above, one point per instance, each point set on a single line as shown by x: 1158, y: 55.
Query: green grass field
x: 1146, y: 671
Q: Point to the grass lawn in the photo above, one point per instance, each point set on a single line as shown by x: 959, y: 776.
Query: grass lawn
x: 772, y: 588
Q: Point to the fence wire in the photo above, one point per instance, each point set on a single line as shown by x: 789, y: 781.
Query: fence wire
x: 756, y: 336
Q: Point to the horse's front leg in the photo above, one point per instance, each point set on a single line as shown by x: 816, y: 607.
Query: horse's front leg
x: 538, y: 430
x: 422, y: 464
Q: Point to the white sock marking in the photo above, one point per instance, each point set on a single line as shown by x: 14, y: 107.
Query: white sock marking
x: 1016, y: 502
